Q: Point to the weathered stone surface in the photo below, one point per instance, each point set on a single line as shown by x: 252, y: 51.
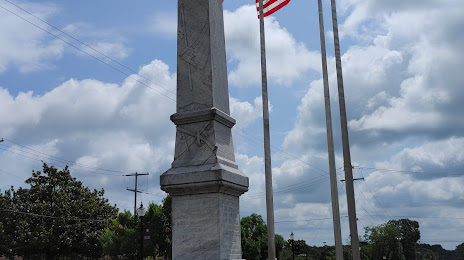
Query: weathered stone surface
x: 201, y: 57
x: 207, y: 226
x: 204, y: 179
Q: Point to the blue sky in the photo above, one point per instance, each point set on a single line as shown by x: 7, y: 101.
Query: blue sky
x: 403, y: 83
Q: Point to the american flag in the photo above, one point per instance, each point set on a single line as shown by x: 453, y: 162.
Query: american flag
x: 270, y: 6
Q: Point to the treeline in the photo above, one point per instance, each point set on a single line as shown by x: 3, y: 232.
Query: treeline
x: 396, y: 239
x: 59, y: 218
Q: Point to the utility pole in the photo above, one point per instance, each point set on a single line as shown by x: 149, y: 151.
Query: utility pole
x: 330, y: 143
x: 345, y: 141
x: 135, y: 190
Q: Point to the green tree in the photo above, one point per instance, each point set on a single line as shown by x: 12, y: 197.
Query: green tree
x: 56, y: 216
x: 254, y: 237
x: 383, y: 241
x: 435, y: 251
x: 409, y: 234
x: 7, y: 219
x: 158, y: 218
x: 121, y: 239
x: 429, y: 255
x: 280, y: 244
x: 460, y: 251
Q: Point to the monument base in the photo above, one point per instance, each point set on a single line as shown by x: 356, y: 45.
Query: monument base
x: 205, y: 211
x: 206, y: 226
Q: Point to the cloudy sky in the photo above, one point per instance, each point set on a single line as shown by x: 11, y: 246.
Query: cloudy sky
x: 92, y: 84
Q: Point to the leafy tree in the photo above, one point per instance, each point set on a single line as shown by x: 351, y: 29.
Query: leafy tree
x: 383, y: 241
x: 6, y: 229
x: 285, y: 254
x: 121, y: 239
x: 299, y: 246
x: 280, y: 244
x: 159, y: 218
x: 56, y: 216
x: 426, y: 251
x: 254, y: 238
x: 460, y: 251
x: 409, y: 234
x: 429, y: 255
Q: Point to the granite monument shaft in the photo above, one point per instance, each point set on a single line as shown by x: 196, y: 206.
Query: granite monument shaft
x: 204, y: 180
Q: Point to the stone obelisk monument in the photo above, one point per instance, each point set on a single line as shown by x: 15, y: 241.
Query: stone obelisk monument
x: 204, y: 180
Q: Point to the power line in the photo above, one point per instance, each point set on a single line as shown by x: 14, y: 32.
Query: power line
x: 61, y: 159
x: 12, y: 175
x: 160, y: 86
x: 53, y: 217
x: 302, y: 220
x: 317, y: 232
x: 126, y: 74
x: 291, y: 186
x: 367, y: 200
x: 282, y: 151
x: 279, y: 192
x: 409, y: 172
x: 285, y: 189
x: 431, y: 217
x: 88, y: 46
x: 372, y: 220
x: 91, y: 55
x: 373, y: 195
x: 136, y: 175
x: 70, y: 167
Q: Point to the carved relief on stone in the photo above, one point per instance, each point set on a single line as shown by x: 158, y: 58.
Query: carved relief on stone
x: 195, y: 143
x: 193, y: 42
x: 192, y: 107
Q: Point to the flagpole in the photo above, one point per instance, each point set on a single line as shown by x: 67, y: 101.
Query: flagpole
x: 267, y: 143
x: 345, y: 141
x: 330, y: 143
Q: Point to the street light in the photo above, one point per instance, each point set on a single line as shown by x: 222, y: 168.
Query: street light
x: 141, y: 212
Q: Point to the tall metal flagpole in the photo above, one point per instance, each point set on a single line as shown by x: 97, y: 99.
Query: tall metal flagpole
x: 330, y: 142
x: 267, y: 143
x: 346, y: 145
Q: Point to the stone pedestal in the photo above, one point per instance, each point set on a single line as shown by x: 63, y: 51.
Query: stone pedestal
x: 204, y: 180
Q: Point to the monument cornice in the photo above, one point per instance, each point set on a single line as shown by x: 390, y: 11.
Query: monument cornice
x: 183, y: 118
x: 218, y: 186
x: 204, y: 175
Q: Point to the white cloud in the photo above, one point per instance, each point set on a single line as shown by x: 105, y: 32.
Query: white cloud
x: 287, y: 59
x: 246, y: 113
x: 403, y: 93
x: 165, y: 24
x: 425, y: 98
x: 106, y: 126
x: 435, y: 157
x: 24, y: 46
x: 105, y: 44
x: 253, y: 200
x: 107, y: 49
x: 124, y: 128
